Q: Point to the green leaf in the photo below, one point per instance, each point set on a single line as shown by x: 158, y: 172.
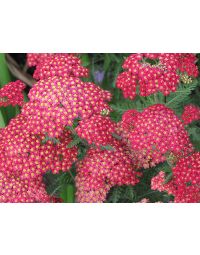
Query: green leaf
x: 107, y: 147
x: 176, y: 99
x: 73, y: 143
x: 2, y: 119
x: 107, y: 62
x: 168, y: 178
x: 194, y: 132
x: 68, y: 193
x: 48, y: 138
x: 5, y: 75
x: 85, y: 59
x: 118, y: 137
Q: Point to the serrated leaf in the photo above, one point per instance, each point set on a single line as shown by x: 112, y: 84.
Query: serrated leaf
x: 175, y: 99
x: 107, y: 147
x: 73, y: 143
x: 168, y: 178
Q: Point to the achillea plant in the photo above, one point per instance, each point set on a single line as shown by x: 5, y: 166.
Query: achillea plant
x: 75, y: 138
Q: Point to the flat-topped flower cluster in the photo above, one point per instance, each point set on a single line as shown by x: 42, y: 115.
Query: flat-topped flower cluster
x: 37, y: 140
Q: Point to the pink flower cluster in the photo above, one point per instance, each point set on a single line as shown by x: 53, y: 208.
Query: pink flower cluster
x: 190, y: 114
x: 57, y: 101
x: 102, y: 169
x: 36, y: 141
x: 151, y: 78
x: 12, y: 94
x: 60, y: 65
x: 154, y: 135
x: 33, y: 59
x: 185, y: 183
x: 97, y: 130
x: 15, y: 190
x: 25, y: 157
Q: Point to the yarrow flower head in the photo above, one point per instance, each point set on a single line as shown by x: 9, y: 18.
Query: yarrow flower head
x: 154, y: 72
x: 33, y: 59
x: 15, y: 190
x: 30, y: 156
x: 191, y: 113
x: 154, y: 135
x: 187, y: 64
x: 102, y: 169
x: 12, y: 94
x: 61, y: 65
x: 56, y: 102
x: 185, y: 183
x: 96, y: 130
x: 25, y: 157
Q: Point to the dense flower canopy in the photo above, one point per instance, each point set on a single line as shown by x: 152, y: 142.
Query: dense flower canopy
x: 26, y: 157
x: 56, y: 102
x: 154, y: 134
x: 185, y: 183
x: 33, y: 59
x: 76, y: 132
x: 61, y: 65
x: 96, y: 130
x: 102, y: 169
x: 152, y: 73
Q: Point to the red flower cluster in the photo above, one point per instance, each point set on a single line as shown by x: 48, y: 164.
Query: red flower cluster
x: 185, y: 184
x: 102, y: 169
x: 33, y: 59
x: 26, y: 157
x: 15, y: 190
x: 36, y: 141
x: 56, y: 102
x: 154, y: 134
x: 61, y: 65
x: 96, y: 130
x: 190, y: 114
x: 154, y: 77
x: 11, y: 94
x: 187, y: 64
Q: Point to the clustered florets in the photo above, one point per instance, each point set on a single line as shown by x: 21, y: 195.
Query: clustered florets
x: 185, y: 183
x: 102, y: 169
x: 154, y: 134
x: 25, y: 157
x: 37, y: 140
x: 60, y: 65
x: 12, y: 94
x: 96, y: 130
x: 56, y: 102
x: 161, y: 75
x: 190, y: 114
x: 33, y: 59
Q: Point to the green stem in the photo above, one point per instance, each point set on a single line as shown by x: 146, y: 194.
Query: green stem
x: 70, y: 196
x: 2, y: 118
x: 8, y: 112
x: 5, y: 75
